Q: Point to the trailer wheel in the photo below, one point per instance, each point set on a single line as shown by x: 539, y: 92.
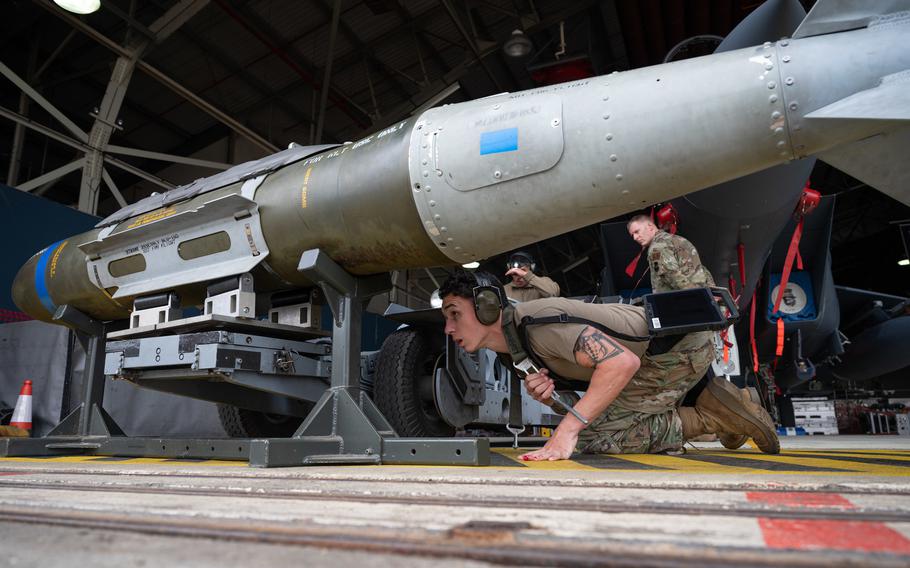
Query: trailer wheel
x: 243, y: 423
x: 403, y: 388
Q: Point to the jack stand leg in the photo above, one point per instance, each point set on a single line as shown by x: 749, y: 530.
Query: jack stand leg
x: 345, y: 426
x: 89, y: 426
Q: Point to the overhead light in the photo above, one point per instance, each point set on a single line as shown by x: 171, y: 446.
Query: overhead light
x: 471, y: 265
x: 79, y: 6
x: 518, y: 45
x: 905, y: 262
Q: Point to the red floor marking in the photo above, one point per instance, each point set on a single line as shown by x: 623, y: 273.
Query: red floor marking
x: 800, y: 499
x: 832, y: 535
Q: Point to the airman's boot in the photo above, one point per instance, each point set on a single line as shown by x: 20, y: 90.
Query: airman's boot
x: 721, y: 409
x: 735, y: 441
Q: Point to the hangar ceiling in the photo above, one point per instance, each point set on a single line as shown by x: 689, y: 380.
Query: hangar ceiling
x: 224, y: 81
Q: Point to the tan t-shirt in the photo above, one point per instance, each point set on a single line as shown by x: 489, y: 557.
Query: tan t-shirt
x: 554, y: 343
x: 538, y: 287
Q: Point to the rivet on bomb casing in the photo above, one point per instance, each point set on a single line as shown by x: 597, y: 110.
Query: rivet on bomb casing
x: 778, y: 130
x: 769, y: 66
x: 772, y: 99
x: 618, y: 177
x: 781, y: 144
x: 771, y: 84
x: 775, y: 115
x: 606, y: 117
x: 426, y: 173
x: 784, y: 43
x: 424, y: 162
x: 788, y: 80
x: 794, y: 106
x: 457, y: 248
x: 437, y: 217
x: 786, y: 59
x: 496, y: 107
x: 767, y: 56
x: 555, y: 122
x: 443, y: 229
x: 450, y: 239
x: 609, y: 137
x: 497, y: 174
x: 432, y: 203
x: 439, y: 173
x: 613, y: 157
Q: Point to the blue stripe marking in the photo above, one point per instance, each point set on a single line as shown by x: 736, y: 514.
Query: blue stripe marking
x: 498, y: 141
x: 40, y: 281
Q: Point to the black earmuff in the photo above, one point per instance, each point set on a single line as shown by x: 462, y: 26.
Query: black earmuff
x: 488, y: 301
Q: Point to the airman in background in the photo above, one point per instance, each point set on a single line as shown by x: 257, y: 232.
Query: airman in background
x: 525, y: 284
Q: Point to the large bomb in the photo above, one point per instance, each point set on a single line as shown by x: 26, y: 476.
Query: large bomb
x: 464, y: 182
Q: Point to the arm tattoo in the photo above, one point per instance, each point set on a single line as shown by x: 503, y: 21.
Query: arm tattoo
x: 597, y: 345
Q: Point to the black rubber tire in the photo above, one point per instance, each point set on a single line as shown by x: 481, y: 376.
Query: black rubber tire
x: 407, y: 359
x: 243, y: 423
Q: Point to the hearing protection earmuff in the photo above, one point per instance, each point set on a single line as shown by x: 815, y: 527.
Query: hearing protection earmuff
x: 488, y: 300
x: 521, y: 258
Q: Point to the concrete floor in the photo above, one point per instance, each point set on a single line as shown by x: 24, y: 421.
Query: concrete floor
x: 839, y: 500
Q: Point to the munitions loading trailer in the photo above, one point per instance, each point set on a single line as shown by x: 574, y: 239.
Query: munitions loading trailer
x: 239, y: 360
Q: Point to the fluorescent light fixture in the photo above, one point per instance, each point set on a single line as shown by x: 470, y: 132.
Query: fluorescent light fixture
x: 905, y: 262
x: 79, y: 6
x: 471, y: 265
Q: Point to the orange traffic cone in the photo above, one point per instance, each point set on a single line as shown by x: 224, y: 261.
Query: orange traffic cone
x: 22, y: 415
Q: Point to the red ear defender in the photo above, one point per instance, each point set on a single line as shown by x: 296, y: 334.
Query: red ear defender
x: 667, y: 218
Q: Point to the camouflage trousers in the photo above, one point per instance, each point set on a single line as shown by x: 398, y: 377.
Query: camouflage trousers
x: 643, y: 418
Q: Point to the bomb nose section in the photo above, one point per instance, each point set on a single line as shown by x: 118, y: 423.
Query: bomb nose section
x: 24, y: 294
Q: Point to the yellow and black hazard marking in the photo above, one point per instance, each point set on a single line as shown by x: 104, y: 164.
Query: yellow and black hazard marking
x: 804, y: 462
x: 701, y: 461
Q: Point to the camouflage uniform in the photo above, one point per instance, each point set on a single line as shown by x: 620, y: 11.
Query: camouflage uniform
x: 675, y: 264
x: 643, y: 418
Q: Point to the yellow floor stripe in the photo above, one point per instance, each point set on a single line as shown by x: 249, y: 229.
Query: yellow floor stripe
x: 804, y: 458
x: 125, y: 461
x: 896, y: 455
x: 822, y: 463
x: 684, y: 465
x: 562, y: 465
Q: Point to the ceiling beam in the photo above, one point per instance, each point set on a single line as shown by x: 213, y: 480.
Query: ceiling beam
x: 161, y: 77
